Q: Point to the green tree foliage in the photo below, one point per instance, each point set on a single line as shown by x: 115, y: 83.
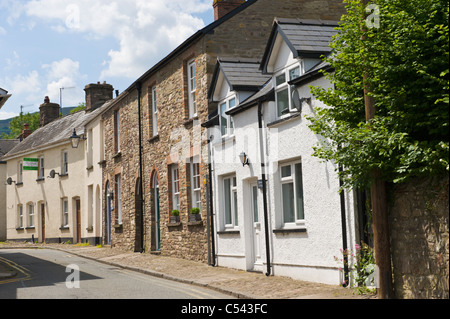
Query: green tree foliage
x: 406, y: 61
x: 16, y: 125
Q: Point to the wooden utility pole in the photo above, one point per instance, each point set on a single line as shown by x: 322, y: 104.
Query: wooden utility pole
x: 380, y: 220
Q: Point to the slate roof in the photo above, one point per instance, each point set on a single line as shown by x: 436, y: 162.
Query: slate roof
x: 241, y: 75
x: 57, y: 131
x: 6, y: 146
x: 306, y: 38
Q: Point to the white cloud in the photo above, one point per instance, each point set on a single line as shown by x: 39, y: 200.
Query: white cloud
x: 62, y: 77
x: 7, y: 115
x: 146, y: 30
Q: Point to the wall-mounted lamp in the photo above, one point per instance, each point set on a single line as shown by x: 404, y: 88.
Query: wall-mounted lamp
x: 75, y: 139
x: 9, y: 181
x: 244, y: 159
x: 53, y: 173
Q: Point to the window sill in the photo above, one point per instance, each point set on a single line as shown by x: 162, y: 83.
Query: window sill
x: 154, y: 138
x: 19, y: 184
x: 41, y: 179
x: 284, y: 119
x: 117, y: 155
x: 20, y: 228
x: 190, y: 121
x: 195, y: 223
x: 30, y: 227
x: 118, y: 226
x: 289, y: 230
x: 64, y: 228
x: 171, y: 224
x: 64, y: 175
x: 90, y: 168
x: 228, y: 232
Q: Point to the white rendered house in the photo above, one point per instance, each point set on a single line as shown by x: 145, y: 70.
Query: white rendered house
x: 291, y: 225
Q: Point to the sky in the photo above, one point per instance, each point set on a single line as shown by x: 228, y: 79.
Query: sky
x: 48, y: 47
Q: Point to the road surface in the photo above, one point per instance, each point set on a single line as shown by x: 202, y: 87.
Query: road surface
x: 52, y: 274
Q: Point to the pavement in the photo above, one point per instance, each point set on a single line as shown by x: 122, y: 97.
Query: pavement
x: 237, y: 283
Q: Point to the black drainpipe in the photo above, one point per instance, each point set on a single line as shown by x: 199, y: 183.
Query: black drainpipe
x: 141, y: 200
x: 211, y: 211
x: 344, y: 230
x: 264, y: 186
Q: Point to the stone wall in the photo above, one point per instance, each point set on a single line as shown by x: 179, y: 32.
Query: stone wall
x: 419, y: 222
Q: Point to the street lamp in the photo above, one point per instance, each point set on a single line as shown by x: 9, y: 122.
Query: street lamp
x: 75, y: 139
x: 244, y: 158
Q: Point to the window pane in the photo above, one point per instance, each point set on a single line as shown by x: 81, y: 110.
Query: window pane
x: 294, y: 73
x: 235, y: 208
x: 282, y: 101
x: 223, y: 118
x: 255, y: 204
x: 280, y: 79
x: 227, y: 200
x: 286, y: 171
x: 232, y: 104
x: 299, y: 191
x: 288, y: 202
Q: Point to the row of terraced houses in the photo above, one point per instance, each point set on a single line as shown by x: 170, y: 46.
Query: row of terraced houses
x: 220, y: 125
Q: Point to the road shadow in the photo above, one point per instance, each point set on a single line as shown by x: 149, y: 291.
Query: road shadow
x: 36, y: 272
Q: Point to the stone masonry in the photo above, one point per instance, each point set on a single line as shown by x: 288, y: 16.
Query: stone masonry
x: 179, y: 137
x: 419, y: 222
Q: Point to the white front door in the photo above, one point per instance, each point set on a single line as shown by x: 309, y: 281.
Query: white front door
x: 256, y: 227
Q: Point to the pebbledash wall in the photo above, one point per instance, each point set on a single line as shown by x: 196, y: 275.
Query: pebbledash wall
x: 419, y: 220
x: 242, y: 33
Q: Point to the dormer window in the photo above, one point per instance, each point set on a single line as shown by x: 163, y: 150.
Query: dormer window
x: 226, y: 121
x: 284, y: 91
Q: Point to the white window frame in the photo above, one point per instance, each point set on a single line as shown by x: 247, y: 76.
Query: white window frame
x: 64, y: 212
x: 20, y: 216
x: 64, y: 162
x: 154, y: 112
x: 30, y: 213
x: 292, y: 179
x: 41, y: 168
x: 192, y: 88
x: 224, y: 106
x: 196, y: 199
x: 230, y: 217
x: 175, y: 184
x: 117, y: 130
x: 118, y: 185
x: 20, y: 172
x: 285, y: 86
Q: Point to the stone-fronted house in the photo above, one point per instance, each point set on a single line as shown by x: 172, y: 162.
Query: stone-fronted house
x: 155, y: 148
x: 277, y: 208
x: 53, y: 191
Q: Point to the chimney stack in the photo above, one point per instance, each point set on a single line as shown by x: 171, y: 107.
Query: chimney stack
x: 222, y: 7
x: 97, y: 95
x: 48, y: 111
x: 25, y: 132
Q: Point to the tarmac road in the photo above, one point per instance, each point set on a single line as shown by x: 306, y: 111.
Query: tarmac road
x: 53, y: 274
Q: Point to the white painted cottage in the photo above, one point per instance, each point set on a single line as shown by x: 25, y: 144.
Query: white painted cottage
x: 291, y: 225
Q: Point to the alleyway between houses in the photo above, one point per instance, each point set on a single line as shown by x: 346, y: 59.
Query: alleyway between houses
x: 237, y: 283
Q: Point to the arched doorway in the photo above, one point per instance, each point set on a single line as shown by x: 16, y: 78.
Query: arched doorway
x: 108, y: 207
x: 155, y: 214
x: 138, y: 208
